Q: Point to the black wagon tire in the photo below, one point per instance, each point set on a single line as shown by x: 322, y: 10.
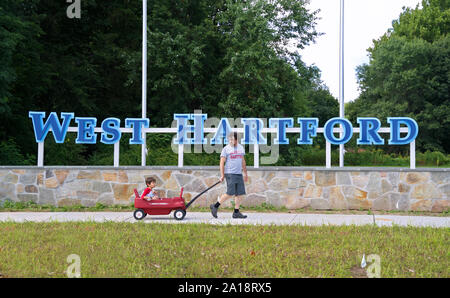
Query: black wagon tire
x: 139, y: 214
x: 179, y: 214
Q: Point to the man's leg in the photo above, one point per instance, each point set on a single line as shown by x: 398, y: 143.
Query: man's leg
x: 237, y: 204
x: 224, y: 198
x: 221, y: 200
x: 238, y: 201
x: 240, y: 193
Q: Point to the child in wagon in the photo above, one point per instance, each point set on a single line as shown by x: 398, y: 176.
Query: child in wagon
x: 149, y: 193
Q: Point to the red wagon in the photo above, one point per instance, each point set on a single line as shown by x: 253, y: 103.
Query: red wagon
x: 163, y: 206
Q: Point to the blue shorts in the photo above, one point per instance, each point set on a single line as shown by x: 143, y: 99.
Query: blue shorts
x: 235, y: 184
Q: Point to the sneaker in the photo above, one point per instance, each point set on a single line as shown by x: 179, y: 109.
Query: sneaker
x: 239, y: 215
x: 213, y: 210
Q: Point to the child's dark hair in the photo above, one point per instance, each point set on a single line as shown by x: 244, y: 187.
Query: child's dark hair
x: 233, y: 134
x: 149, y: 180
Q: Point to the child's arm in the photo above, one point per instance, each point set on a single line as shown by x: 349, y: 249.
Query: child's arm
x: 145, y: 193
x: 154, y: 195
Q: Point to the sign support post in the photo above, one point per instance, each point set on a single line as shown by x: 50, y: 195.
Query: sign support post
x: 144, y: 79
x: 341, y: 81
x: 40, y: 154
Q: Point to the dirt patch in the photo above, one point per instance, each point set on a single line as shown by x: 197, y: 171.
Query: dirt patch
x: 358, y: 272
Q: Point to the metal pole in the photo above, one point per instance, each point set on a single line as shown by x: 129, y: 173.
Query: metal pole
x: 40, y: 159
x: 328, y: 155
x: 180, y: 155
x: 116, y: 154
x: 144, y: 78
x: 412, y: 155
x: 256, y: 156
x: 341, y: 81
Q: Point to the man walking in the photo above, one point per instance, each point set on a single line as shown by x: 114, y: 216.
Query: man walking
x: 232, y: 164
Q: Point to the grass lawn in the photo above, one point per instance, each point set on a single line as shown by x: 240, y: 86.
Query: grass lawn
x: 199, y: 250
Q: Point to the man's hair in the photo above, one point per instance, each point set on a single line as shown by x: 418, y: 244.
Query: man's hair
x: 149, y: 180
x: 233, y: 134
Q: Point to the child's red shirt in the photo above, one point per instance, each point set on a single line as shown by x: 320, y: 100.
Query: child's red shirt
x: 148, y: 191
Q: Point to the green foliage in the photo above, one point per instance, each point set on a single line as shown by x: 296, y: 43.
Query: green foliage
x: 429, y: 22
x: 375, y: 158
x: 436, y: 159
x: 67, y: 153
x: 10, y: 154
x: 160, y: 150
x: 11, y: 205
x: 260, y: 76
x: 408, y: 75
x: 63, y: 64
x: 227, y: 58
x: 322, y: 105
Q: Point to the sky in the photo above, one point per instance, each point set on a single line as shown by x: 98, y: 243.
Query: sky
x: 365, y: 20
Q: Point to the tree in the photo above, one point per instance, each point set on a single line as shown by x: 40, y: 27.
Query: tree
x: 408, y: 74
x: 430, y: 22
x: 61, y: 64
x: 16, y: 28
x: 227, y: 57
x: 261, y: 77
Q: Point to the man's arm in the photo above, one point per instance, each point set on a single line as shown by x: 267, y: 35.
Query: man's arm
x: 222, y: 168
x: 244, y: 169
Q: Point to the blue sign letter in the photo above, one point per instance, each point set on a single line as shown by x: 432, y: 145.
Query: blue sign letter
x: 308, y: 128
x: 281, y: 124
x: 199, y: 120
x: 137, y: 123
x: 86, y: 133
x: 252, y: 131
x: 184, y: 128
x: 413, y: 130
x: 52, y: 123
x: 221, y: 132
x: 328, y: 131
x: 111, y: 126
x: 368, y: 133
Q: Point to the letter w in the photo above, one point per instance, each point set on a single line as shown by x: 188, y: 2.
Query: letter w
x: 59, y: 130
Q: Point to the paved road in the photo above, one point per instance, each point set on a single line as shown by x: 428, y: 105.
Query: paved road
x: 225, y: 218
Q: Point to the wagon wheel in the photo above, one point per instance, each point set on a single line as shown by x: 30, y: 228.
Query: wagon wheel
x: 179, y: 214
x: 139, y: 214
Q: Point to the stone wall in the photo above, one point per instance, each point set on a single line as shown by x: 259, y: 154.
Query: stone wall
x: 293, y: 188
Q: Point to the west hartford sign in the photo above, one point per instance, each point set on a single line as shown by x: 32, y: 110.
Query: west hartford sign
x: 110, y: 132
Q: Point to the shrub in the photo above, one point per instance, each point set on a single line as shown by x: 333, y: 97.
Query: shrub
x: 10, y: 154
x: 433, y: 159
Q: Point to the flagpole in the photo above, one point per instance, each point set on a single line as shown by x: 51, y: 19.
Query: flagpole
x: 341, y: 80
x: 144, y: 78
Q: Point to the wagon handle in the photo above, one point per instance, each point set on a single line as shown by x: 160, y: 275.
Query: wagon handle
x: 192, y: 201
